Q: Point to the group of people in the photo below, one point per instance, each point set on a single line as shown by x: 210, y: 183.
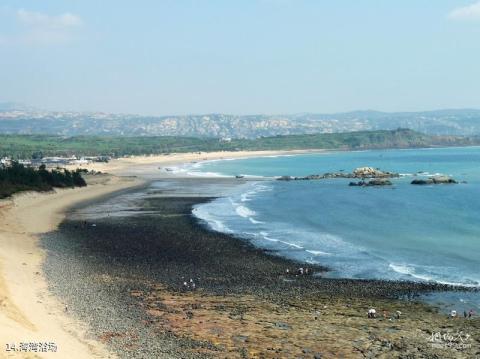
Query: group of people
x: 190, y: 285
x: 300, y: 271
x: 454, y: 314
x: 372, y: 313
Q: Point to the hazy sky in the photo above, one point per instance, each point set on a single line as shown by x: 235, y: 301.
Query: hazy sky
x: 243, y: 56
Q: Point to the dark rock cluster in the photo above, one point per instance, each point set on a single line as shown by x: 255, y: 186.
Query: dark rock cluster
x: 361, y: 172
x: 434, y: 180
x: 374, y: 182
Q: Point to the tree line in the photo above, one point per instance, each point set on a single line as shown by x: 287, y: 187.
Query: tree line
x: 17, y: 177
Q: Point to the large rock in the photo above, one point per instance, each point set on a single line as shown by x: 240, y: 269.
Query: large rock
x: 434, y: 180
x: 379, y: 182
x: 422, y: 181
x: 370, y: 172
x: 373, y: 182
x: 361, y: 172
x: 285, y: 178
x: 443, y: 179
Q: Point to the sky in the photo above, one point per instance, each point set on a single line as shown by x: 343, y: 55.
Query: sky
x: 169, y: 57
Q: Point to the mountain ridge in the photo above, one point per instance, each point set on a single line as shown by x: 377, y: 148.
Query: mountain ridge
x: 27, y: 120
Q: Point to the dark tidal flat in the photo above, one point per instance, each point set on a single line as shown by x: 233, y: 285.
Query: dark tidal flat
x: 124, y: 276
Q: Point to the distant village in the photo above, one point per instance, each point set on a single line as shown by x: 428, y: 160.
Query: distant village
x: 54, y: 162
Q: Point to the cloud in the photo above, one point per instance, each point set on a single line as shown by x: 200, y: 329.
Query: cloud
x: 39, y: 20
x: 469, y: 12
x: 36, y: 28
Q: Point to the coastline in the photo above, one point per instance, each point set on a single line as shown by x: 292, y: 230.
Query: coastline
x: 142, y: 165
x: 30, y: 314
x: 137, y: 262
x: 69, y: 328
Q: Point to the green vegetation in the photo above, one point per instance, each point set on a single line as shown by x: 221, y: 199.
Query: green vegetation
x: 38, y: 146
x: 17, y: 177
x: 401, y: 138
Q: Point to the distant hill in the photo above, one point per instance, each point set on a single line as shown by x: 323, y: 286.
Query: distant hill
x: 24, y: 120
x: 38, y: 146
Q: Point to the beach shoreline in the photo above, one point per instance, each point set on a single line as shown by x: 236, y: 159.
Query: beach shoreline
x: 30, y: 314
x: 148, y: 165
x: 138, y: 262
x: 69, y: 331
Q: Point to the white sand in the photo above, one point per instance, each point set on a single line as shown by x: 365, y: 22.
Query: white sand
x: 137, y: 165
x: 28, y: 312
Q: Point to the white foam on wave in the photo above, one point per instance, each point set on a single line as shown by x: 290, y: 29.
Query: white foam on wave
x: 190, y: 169
x: 428, y: 174
x: 318, y: 253
x: 250, y: 194
x: 254, y: 221
x: 244, y: 197
x: 292, y: 245
x: 198, y: 165
x: 266, y: 235
x: 206, y: 174
x: 213, y: 222
x: 244, y: 211
x: 410, y: 270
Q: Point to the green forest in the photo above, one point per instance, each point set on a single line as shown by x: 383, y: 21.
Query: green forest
x: 17, y: 178
x: 38, y: 146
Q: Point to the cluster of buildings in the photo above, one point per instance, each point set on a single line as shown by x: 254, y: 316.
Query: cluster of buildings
x: 55, y: 161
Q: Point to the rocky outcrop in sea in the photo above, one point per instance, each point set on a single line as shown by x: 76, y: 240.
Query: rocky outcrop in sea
x: 434, y: 180
x: 360, y: 172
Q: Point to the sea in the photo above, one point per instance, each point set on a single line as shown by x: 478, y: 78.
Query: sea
x: 401, y: 232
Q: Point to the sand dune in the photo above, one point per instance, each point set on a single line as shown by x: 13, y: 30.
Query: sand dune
x: 28, y: 312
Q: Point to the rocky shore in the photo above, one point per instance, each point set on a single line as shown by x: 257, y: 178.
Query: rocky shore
x: 376, y: 176
x: 157, y: 284
x: 360, y: 173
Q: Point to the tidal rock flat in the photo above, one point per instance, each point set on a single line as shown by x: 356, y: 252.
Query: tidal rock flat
x: 157, y: 284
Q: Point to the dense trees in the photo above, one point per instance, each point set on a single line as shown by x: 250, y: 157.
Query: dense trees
x: 37, y: 146
x: 17, y: 177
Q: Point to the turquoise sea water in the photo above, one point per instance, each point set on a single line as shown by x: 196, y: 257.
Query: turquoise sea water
x: 405, y: 232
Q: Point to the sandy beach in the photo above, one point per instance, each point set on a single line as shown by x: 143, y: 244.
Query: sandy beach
x: 141, y: 165
x: 30, y: 314
x: 114, y: 286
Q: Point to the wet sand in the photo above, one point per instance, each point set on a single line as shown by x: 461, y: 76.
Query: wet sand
x: 123, y: 274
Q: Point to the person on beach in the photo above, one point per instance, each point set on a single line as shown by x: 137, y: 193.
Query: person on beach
x: 372, y: 313
x: 398, y: 314
x: 465, y: 314
x: 470, y: 313
x: 453, y: 314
